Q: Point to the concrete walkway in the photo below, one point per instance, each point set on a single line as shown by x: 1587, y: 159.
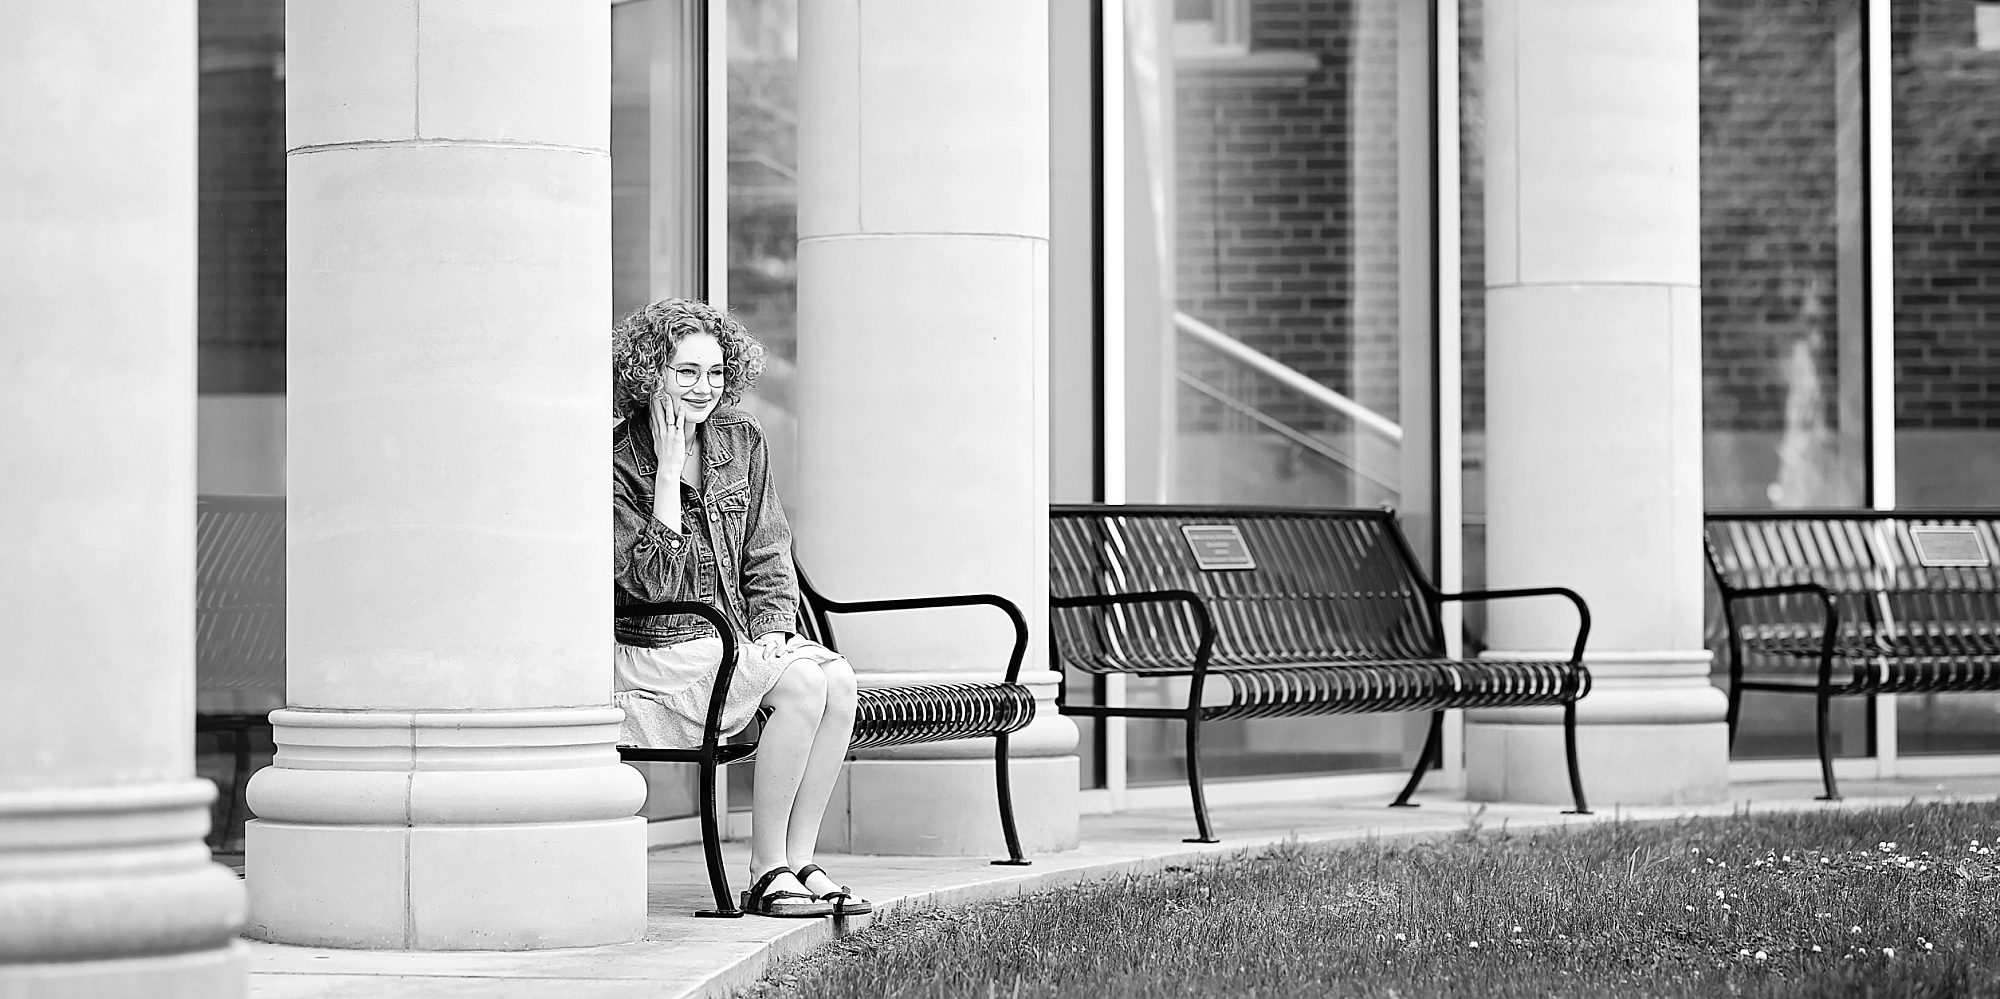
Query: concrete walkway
x: 683, y: 956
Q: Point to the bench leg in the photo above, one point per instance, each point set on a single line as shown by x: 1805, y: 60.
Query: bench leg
x: 1735, y: 707
x: 711, y: 848
x: 1002, y: 780
x: 1569, y: 749
x: 1433, y: 748
x: 1204, y: 832
x: 1823, y: 697
x: 218, y: 811
x: 239, y: 784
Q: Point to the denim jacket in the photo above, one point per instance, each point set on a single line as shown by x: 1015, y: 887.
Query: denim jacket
x: 746, y: 548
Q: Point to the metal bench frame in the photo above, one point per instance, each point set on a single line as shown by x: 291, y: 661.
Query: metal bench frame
x: 1223, y: 612
x: 1806, y: 591
x: 885, y: 716
x: 239, y: 627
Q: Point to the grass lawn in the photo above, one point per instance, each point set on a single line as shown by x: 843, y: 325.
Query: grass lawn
x: 1832, y: 902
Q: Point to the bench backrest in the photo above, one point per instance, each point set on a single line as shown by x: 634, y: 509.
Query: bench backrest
x: 239, y: 604
x: 1893, y: 574
x: 1323, y: 586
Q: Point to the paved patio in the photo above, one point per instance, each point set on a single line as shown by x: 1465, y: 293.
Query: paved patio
x: 683, y: 956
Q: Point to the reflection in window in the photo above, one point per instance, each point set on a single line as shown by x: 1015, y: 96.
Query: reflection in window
x: 764, y: 208
x: 656, y: 231
x: 763, y: 47
x: 240, y: 415
x: 1288, y: 166
x: 1783, y: 374
x: 1946, y: 161
x: 763, y: 169
x: 242, y: 197
x: 657, y: 241
x: 1783, y: 351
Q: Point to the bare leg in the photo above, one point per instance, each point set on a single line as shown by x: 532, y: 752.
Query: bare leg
x: 783, y: 750
x: 829, y: 750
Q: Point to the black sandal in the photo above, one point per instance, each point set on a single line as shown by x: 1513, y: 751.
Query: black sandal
x: 758, y: 901
x: 844, y: 902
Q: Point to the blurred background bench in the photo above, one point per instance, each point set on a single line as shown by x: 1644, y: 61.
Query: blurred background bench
x: 1840, y: 603
x: 239, y: 634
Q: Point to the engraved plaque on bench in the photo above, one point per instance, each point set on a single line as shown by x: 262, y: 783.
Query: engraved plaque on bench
x: 1218, y: 546
x: 1949, y: 547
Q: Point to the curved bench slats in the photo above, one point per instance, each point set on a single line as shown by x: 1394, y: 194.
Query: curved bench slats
x: 902, y: 716
x: 884, y: 716
x: 1276, y: 613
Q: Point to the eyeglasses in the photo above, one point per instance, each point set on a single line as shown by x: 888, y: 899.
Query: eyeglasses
x: 686, y: 377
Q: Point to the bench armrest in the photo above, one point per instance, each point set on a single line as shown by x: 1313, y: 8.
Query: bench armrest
x: 724, y: 673
x: 1204, y: 624
x: 1829, y: 607
x: 1005, y: 605
x: 1582, y: 609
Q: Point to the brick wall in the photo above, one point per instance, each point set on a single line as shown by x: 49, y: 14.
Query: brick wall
x: 1946, y: 102
x: 1769, y: 130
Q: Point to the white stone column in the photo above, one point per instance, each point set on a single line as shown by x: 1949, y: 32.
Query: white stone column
x: 1594, y: 396
x: 106, y: 888
x: 446, y: 776
x: 922, y: 386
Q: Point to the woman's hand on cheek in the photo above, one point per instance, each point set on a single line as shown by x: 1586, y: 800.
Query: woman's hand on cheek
x: 669, y: 433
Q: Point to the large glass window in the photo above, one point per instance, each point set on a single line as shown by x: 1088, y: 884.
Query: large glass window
x: 240, y: 412
x: 1945, y: 97
x: 661, y: 131
x: 657, y: 237
x: 1292, y: 135
x: 763, y: 208
x: 763, y: 226
x: 1472, y: 308
x: 658, y: 248
x: 241, y: 234
x: 1783, y: 342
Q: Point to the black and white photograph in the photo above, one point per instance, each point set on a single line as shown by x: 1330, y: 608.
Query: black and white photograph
x: 1001, y: 499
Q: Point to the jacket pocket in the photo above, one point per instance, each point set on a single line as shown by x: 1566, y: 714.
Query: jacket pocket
x: 732, y: 509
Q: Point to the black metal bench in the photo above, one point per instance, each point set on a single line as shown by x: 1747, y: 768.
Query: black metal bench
x: 1837, y: 603
x: 885, y: 716
x: 239, y: 629
x: 1293, y: 612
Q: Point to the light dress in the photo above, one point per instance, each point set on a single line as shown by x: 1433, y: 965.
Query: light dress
x: 665, y: 691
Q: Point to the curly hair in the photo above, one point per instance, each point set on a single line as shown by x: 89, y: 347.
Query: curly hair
x: 642, y: 343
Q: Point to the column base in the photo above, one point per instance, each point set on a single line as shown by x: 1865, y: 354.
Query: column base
x: 109, y: 891
x: 510, y: 887
x: 1621, y: 764
x: 1650, y: 732
x: 948, y: 808
x: 199, y: 975
x: 467, y: 830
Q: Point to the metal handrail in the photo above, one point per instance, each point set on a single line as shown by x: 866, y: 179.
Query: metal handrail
x: 1282, y: 429
x: 1251, y: 357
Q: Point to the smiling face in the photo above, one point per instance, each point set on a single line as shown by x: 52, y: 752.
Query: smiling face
x: 694, y: 376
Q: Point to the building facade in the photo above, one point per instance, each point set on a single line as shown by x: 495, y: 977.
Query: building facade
x: 1548, y: 277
